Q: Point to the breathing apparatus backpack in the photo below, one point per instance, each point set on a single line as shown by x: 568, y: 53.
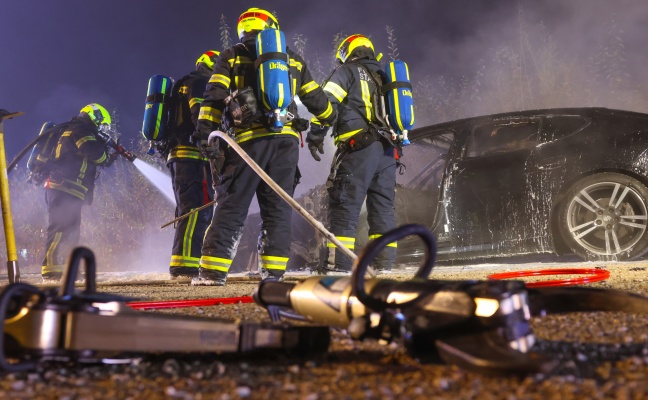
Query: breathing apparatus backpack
x: 400, y: 101
x: 155, y: 127
x: 273, y: 77
x: 39, y: 162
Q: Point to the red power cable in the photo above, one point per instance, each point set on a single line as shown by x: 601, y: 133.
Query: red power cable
x: 592, y: 275
x: 152, y: 305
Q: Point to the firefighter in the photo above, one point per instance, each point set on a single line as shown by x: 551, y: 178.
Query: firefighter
x: 72, y: 172
x: 190, y: 171
x: 276, y: 152
x: 364, y: 166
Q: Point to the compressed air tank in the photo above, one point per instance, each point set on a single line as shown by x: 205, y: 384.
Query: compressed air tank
x: 37, y: 154
x: 399, y: 98
x: 156, y: 111
x: 273, y: 74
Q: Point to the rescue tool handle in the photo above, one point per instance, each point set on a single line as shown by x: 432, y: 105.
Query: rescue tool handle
x: 374, y: 247
x: 14, y: 290
x: 71, y: 272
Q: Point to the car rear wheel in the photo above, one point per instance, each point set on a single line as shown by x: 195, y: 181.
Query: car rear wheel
x: 605, y: 217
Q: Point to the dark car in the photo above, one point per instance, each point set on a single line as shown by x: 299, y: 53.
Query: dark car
x: 555, y: 181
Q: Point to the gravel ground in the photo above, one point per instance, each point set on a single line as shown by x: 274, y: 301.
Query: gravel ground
x: 600, y: 355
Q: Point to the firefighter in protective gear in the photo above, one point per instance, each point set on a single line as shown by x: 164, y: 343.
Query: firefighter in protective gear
x: 190, y: 171
x: 365, y: 162
x: 72, y: 172
x: 276, y: 152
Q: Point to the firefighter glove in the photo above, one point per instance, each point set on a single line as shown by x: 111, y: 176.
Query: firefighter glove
x: 210, y: 152
x: 315, y: 140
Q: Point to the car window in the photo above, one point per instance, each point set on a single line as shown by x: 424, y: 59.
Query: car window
x: 558, y: 126
x: 425, y: 161
x: 496, y: 137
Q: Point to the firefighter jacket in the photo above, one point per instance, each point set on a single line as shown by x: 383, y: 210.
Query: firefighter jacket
x: 187, y: 95
x: 235, y: 69
x: 76, y: 156
x: 351, y: 89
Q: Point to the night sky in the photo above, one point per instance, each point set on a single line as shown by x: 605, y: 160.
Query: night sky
x: 57, y: 56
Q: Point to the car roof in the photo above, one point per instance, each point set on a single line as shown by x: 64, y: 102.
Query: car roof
x: 583, y: 111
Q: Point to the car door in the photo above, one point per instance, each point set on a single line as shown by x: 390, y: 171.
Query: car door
x: 486, y: 189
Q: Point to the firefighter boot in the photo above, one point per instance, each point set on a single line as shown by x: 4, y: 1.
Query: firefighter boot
x: 209, y: 278
x: 183, y: 272
x: 268, y: 273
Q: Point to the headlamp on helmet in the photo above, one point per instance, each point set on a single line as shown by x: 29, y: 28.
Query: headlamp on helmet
x: 98, y: 115
x: 351, y: 43
x: 208, y: 58
x: 255, y: 20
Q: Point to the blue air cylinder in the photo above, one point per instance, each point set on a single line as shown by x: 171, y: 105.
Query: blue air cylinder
x: 39, y: 147
x: 156, y: 112
x: 273, y: 75
x: 399, y: 98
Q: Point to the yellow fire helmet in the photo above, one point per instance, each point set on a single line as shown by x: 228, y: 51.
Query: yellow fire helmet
x: 208, y: 58
x: 254, y: 20
x: 97, y: 113
x: 351, y: 43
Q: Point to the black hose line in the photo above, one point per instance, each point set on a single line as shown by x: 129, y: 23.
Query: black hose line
x: 72, y: 271
x: 374, y: 247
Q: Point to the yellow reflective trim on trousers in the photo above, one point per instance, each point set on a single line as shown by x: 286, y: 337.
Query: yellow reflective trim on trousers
x: 73, y: 192
x: 273, y: 262
x: 194, y: 101
x: 49, y: 255
x: 210, y: 114
x: 84, y: 168
x: 185, y: 152
x: 366, y: 99
x: 84, y: 139
x: 221, y: 79
x: 188, y: 234
x: 308, y: 87
x: 345, y: 136
x: 392, y: 244
x: 335, y: 90
x: 348, y: 242
x: 45, y: 269
x: 182, y: 261
x: 327, y: 113
x: 215, y: 263
x: 262, y: 132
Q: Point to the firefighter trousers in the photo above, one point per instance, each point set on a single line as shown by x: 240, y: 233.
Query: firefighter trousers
x: 192, y: 185
x: 367, y: 173
x: 277, y: 156
x: 63, y: 231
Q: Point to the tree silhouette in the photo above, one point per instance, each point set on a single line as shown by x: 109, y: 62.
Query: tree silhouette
x: 226, y: 39
x: 391, y: 43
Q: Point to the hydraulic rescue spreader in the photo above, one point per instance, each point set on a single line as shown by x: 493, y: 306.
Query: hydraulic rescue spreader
x: 67, y: 325
x: 482, y: 326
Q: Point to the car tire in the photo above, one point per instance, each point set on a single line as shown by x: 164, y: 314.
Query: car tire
x: 605, y: 217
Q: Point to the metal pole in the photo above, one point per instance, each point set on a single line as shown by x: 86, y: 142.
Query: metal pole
x: 195, y: 210
x: 7, y: 218
x: 316, y: 224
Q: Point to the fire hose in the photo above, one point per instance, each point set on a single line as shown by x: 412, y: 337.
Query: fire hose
x: 301, y: 210
x: 482, y: 326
